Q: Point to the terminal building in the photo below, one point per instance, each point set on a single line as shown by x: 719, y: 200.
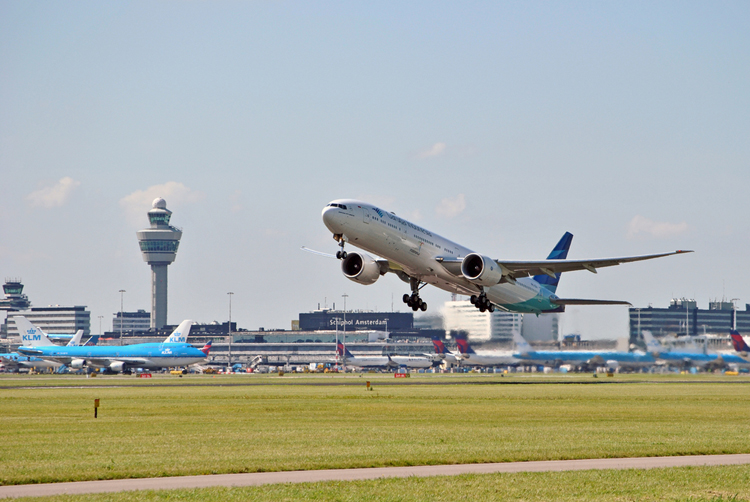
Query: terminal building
x: 132, y: 322
x: 684, y: 318
x: 55, y: 320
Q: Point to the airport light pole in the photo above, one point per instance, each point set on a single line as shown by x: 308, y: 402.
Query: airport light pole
x: 229, y: 328
x: 345, y: 296
x: 122, y: 295
x: 100, y: 324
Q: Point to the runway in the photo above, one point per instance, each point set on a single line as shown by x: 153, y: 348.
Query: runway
x: 262, y: 478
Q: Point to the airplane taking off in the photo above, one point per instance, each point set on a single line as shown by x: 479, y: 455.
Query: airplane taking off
x: 174, y: 351
x: 420, y: 257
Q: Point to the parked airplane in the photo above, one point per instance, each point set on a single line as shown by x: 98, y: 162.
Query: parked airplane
x: 609, y: 358
x: 740, y: 345
x: 420, y: 257
x: 682, y: 358
x: 13, y: 361
x: 363, y: 362
x: 394, y: 361
x: 471, y: 358
x: 174, y: 351
x: 92, y: 341
x: 442, y: 351
x: 76, y: 340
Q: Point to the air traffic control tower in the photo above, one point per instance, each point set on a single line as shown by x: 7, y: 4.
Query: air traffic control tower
x: 159, y: 247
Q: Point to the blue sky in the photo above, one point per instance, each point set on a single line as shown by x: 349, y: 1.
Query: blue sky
x: 499, y: 125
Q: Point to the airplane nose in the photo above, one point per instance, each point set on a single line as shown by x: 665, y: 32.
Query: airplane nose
x: 329, y: 217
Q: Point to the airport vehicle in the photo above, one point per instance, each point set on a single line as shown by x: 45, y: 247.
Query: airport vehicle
x: 442, y: 351
x: 496, y: 358
x: 174, y: 351
x: 420, y: 257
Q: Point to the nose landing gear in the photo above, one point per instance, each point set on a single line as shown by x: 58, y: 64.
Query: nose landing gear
x: 341, y: 254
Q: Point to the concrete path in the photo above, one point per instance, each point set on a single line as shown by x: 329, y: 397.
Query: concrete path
x: 261, y: 478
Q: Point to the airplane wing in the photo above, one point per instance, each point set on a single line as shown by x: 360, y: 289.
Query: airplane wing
x: 578, y: 301
x: 518, y: 269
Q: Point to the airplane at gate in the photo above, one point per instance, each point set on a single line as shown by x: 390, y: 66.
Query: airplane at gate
x: 420, y: 257
x: 174, y: 351
x: 495, y: 358
x: 382, y: 361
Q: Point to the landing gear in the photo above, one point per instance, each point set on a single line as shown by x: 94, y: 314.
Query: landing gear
x: 413, y: 300
x: 341, y: 254
x: 482, y: 303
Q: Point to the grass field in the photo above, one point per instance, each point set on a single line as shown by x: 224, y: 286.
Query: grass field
x: 50, y: 433
x: 678, y: 484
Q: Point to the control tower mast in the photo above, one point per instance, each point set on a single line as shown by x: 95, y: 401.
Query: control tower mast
x: 159, y: 248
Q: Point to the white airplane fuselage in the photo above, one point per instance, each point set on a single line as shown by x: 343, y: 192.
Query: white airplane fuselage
x: 417, y: 250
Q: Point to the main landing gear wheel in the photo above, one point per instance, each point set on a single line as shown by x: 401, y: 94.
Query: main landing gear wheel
x: 482, y: 303
x: 415, y: 302
x: 340, y: 255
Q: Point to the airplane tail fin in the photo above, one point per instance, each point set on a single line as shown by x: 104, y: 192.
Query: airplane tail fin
x: 560, y: 252
x: 652, y: 344
x: 31, y: 336
x: 464, y: 347
x: 521, y: 344
x: 92, y: 341
x: 181, y: 333
x: 207, y: 348
x: 342, y: 351
x: 76, y: 340
x: 439, y: 346
x: 739, y: 343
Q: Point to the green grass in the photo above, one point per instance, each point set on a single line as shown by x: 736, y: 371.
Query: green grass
x: 50, y: 433
x: 675, y: 484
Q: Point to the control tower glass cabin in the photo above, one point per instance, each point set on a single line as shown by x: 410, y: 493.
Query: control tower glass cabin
x: 159, y: 248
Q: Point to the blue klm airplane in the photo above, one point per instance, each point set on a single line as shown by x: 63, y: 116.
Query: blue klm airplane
x: 174, y: 351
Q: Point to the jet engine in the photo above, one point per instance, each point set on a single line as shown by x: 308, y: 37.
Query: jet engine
x: 360, y: 268
x: 481, y: 270
x: 77, y: 364
x: 117, y: 366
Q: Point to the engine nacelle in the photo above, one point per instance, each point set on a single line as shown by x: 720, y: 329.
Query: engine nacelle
x: 117, y: 366
x: 77, y: 364
x: 481, y: 270
x: 360, y: 268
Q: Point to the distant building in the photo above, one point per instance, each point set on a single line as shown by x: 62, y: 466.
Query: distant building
x: 683, y: 317
x: 55, y: 320
x: 131, y: 321
x: 462, y: 316
x: 541, y: 328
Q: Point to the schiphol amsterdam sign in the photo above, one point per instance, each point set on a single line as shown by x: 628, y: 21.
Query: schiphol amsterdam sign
x: 364, y: 323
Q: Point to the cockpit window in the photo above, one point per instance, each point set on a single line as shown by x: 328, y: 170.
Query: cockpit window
x: 341, y: 206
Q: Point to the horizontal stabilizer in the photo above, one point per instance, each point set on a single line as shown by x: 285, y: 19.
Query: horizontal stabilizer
x: 579, y: 301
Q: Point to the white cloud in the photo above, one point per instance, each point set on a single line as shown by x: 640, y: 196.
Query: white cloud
x: 640, y: 227
x: 450, y: 207
x: 138, y: 203
x: 434, y: 151
x: 53, y: 196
